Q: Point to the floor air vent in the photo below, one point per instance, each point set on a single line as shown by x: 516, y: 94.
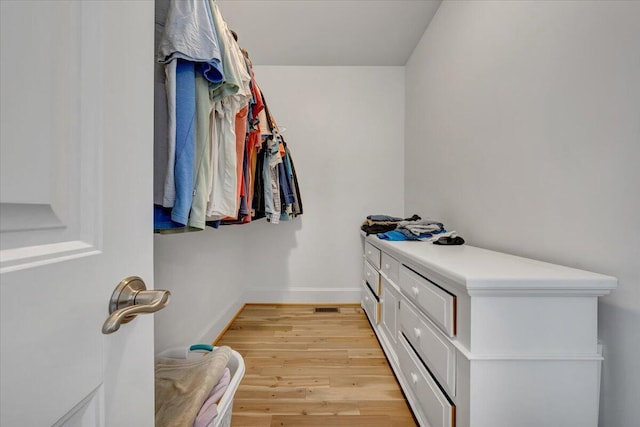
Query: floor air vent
x: 326, y: 309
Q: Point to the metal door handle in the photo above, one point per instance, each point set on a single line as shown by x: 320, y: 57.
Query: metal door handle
x: 131, y: 298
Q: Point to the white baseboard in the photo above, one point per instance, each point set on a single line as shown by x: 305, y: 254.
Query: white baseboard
x: 221, y: 320
x: 303, y: 295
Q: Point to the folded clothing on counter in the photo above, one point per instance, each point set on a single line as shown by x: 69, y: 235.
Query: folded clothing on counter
x: 378, y: 228
x: 421, y: 226
x: 383, y: 218
x: 452, y: 239
x: 404, y: 234
x: 414, y: 228
x: 375, y: 224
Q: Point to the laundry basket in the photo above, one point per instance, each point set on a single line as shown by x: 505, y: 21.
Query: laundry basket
x: 225, y: 406
x: 236, y: 369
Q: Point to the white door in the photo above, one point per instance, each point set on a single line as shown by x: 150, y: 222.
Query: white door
x: 76, y: 210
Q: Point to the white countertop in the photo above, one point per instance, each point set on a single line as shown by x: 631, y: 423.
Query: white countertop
x: 482, y: 269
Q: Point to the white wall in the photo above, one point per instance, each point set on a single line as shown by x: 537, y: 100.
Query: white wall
x: 345, y: 128
x: 523, y: 134
x: 205, y: 272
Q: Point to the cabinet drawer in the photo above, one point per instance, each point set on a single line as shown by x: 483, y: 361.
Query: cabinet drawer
x: 431, y: 345
x: 390, y: 267
x: 372, y: 254
x: 438, y: 304
x: 370, y: 304
x: 432, y: 402
x: 372, y: 277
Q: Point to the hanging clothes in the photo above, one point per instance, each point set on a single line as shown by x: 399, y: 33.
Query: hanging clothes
x: 227, y: 162
x: 202, y: 158
x: 185, y: 141
x: 169, y: 195
x: 188, y: 39
x: 229, y: 99
x: 189, y: 34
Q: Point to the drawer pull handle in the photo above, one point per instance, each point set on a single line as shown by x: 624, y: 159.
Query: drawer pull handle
x: 415, y: 291
x: 417, y: 332
x: 414, y: 378
x: 369, y: 252
x: 366, y: 298
x: 368, y: 274
x: 387, y: 266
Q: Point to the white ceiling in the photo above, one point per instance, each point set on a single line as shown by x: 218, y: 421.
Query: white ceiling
x: 326, y: 32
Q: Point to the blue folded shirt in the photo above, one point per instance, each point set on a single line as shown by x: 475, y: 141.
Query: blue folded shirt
x: 398, y: 236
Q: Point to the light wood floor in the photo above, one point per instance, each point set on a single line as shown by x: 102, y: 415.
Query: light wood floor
x: 312, y: 369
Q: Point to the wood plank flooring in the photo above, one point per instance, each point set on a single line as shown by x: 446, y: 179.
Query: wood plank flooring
x: 312, y: 369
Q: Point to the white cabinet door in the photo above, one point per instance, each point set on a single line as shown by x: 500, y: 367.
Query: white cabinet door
x: 75, y: 210
x: 390, y: 299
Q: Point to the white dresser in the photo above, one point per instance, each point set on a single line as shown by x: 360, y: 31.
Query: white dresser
x: 484, y: 339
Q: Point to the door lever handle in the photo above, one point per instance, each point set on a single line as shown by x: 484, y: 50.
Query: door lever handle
x: 131, y: 298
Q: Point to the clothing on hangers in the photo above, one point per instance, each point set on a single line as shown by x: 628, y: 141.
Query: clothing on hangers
x: 227, y: 161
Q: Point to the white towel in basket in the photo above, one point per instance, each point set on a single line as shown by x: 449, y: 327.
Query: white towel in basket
x: 183, y: 385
